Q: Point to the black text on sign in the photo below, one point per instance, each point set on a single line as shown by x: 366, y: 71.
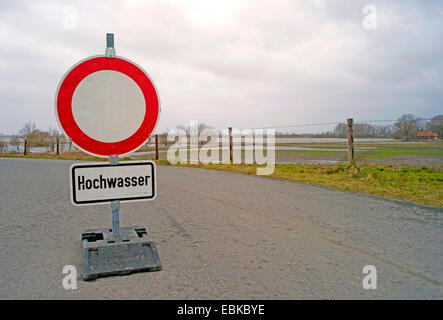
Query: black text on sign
x: 128, y: 181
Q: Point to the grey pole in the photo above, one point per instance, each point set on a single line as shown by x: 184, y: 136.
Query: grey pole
x: 115, y: 205
x: 113, y: 159
x: 110, y: 50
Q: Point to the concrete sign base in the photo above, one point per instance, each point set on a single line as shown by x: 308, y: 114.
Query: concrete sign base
x: 105, y: 255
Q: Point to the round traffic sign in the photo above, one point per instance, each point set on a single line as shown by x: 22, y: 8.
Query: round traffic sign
x: 107, y: 106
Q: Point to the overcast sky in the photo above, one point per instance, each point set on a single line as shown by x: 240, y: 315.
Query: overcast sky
x: 240, y: 63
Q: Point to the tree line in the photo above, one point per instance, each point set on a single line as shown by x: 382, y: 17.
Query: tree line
x: 405, y: 128
x: 36, y: 138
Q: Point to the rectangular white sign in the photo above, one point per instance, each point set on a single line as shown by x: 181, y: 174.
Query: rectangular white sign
x: 103, y: 182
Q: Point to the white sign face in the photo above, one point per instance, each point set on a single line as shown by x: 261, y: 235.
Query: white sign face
x: 101, y: 182
x: 108, y: 106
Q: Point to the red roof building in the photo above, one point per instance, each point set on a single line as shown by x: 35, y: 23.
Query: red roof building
x: 427, y: 135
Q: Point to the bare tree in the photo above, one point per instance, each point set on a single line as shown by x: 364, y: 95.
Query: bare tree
x: 340, y: 130
x: 361, y: 130
x: 26, y: 133
x: 383, y: 131
x: 407, y: 127
x: 40, y: 138
x: 185, y: 129
x: 27, y: 129
x: 53, y: 135
x: 16, y: 141
x: 436, y: 125
x: 364, y: 130
x: 3, y: 146
x: 201, y: 126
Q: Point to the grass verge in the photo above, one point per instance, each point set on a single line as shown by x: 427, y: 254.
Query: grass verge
x: 422, y: 185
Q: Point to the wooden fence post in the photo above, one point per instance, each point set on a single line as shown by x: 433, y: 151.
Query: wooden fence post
x: 231, y: 151
x: 26, y: 146
x: 156, y: 147
x: 58, y: 146
x: 350, y: 132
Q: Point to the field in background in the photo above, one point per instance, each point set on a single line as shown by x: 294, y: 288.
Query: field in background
x: 410, y: 171
x: 417, y: 153
x: 366, y: 152
x: 307, y: 150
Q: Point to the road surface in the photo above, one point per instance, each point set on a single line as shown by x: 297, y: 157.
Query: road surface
x: 220, y: 235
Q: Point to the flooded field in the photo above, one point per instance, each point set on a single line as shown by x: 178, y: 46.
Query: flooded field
x: 301, y: 150
x: 374, y: 152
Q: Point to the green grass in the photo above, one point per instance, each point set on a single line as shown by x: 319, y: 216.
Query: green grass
x: 378, y: 150
x: 423, y: 185
x: 387, y: 153
x: 314, y: 145
x: 312, y: 153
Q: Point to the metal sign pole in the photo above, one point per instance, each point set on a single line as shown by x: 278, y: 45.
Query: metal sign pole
x: 115, y: 205
x: 110, y: 50
x: 113, y: 159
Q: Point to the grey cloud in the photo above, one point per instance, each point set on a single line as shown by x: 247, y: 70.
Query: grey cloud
x: 259, y: 63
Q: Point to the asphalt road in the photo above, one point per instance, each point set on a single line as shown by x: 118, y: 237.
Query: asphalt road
x: 220, y: 235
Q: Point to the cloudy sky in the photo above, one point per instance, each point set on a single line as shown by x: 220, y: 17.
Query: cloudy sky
x: 231, y: 62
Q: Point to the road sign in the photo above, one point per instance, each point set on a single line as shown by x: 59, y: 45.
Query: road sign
x: 98, y: 182
x: 107, y: 105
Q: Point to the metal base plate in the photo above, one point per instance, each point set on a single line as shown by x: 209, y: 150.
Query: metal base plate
x: 104, y: 254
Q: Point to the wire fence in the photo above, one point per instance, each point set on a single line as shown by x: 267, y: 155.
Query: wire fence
x: 364, y: 131
x: 326, y: 132
x: 14, y: 145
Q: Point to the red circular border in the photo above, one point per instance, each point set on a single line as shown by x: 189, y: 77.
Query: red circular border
x: 81, y: 139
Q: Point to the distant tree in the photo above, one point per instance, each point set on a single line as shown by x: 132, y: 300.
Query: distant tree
x: 200, y: 128
x: 436, y: 125
x: 364, y: 130
x: 407, y: 127
x: 16, y: 142
x: 184, y: 128
x: 421, y: 124
x: 3, y: 146
x: 26, y: 133
x: 53, y: 135
x: 361, y: 130
x: 340, y: 130
x: 383, y: 131
x: 27, y: 129
x: 40, y: 138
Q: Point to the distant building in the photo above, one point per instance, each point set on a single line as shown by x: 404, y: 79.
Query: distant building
x: 427, y: 135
